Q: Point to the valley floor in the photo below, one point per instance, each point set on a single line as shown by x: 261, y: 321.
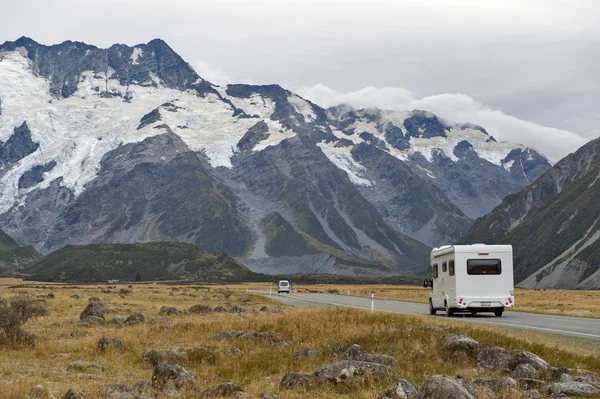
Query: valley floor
x: 415, y: 341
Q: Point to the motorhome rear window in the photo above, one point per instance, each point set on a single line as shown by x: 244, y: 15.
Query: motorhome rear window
x: 451, y: 267
x: 435, y: 271
x: 484, y: 266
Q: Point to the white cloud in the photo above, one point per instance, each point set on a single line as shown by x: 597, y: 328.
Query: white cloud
x: 455, y: 108
x: 211, y: 73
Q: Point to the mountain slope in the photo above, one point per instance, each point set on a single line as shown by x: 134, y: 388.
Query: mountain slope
x: 129, y: 144
x: 13, y: 256
x: 553, y: 225
x: 148, y: 262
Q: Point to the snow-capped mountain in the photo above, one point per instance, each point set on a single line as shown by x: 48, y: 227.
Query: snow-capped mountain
x: 129, y: 144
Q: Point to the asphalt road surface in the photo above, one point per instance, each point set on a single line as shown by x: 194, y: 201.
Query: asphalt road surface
x: 573, y: 326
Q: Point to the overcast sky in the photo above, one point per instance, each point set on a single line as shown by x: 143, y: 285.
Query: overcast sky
x: 527, y: 70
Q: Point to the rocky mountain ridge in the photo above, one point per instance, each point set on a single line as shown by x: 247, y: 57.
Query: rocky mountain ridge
x: 129, y: 144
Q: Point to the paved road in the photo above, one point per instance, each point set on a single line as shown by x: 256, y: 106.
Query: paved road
x: 573, y: 326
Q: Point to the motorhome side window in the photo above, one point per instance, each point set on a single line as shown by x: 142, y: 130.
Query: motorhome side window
x: 484, y: 266
x: 451, y: 267
x: 444, y: 267
x: 435, y: 271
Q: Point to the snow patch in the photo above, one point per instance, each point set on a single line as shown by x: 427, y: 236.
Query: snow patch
x: 136, y: 55
x: 302, y: 107
x: 342, y: 158
x: 276, y: 135
x: 508, y: 165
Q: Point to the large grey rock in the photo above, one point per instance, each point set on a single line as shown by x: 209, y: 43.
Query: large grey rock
x: 525, y: 357
x: 201, y: 309
x: 135, y: 318
x: 95, y: 309
x: 167, y: 375
x: 168, y: 311
x: 462, y: 342
x: 355, y: 352
x: 443, y: 387
x: 106, y: 344
x: 525, y: 370
x: 349, y: 372
x: 173, y: 355
x: 573, y: 388
x: 226, y: 389
x: 294, y: 380
x: 402, y: 389
x: 494, y: 357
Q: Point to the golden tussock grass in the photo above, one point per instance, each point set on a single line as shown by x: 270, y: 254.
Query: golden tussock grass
x: 261, y: 367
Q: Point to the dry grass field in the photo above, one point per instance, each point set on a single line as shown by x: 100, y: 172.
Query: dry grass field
x: 62, y: 340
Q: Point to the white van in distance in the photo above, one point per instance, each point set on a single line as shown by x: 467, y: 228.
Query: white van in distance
x: 284, y: 286
x: 471, y: 278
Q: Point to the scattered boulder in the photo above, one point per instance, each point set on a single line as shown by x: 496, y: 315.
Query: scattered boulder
x: 525, y: 370
x: 51, y: 295
x: 295, y: 380
x: 402, y: 389
x: 351, y: 371
x: 238, y: 309
x: 531, y: 383
x: 264, y: 309
x: 173, y: 355
x: 118, y: 390
x: 229, y: 334
x: 495, y: 358
x: 95, y: 309
x: 136, y: 318
x: 305, y: 354
x: 39, y: 392
x: 233, y: 351
x: 73, y: 393
x: 225, y: 389
x: 201, y: 309
x: 83, y: 366
x: 355, y: 352
x: 530, y: 358
x: 168, y: 374
x: 461, y: 342
x: 572, y: 388
x: 77, y: 295
x: 554, y: 373
x: 496, y: 383
x: 532, y: 394
x: 88, y: 321
x: 219, y: 309
x: 106, y: 344
x: 168, y: 311
x: 279, y: 345
x: 443, y: 386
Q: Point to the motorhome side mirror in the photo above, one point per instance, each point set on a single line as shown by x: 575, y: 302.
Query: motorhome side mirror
x: 428, y: 283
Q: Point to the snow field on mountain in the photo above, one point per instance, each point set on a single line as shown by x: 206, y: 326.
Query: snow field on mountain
x: 342, y: 158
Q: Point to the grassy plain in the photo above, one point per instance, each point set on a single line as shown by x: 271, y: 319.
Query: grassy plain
x: 261, y: 367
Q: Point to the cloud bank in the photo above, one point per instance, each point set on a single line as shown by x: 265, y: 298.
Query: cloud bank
x: 455, y: 108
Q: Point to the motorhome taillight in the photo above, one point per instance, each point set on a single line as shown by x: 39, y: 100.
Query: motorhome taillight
x: 483, y: 253
x: 510, y: 300
x: 460, y: 300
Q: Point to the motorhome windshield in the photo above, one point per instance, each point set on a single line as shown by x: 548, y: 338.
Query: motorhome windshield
x: 283, y: 283
x: 484, y: 266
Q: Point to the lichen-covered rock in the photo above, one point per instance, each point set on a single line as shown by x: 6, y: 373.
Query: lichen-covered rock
x: 238, y: 309
x: 106, y: 344
x: 525, y: 370
x: 461, y: 342
x: 443, y: 387
x: 494, y: 358
x: 219, y: 309
x: 118, y: 321
x: 226, y: 389
x: 201, y: 309
x: 279, y: 345
x: 173, y: 355
x: 355, y: 352
x: 95, y: 309
x: 572, y: 388
x: 295, y: 380
x: 73, y: 393
x: 168, y: 311
x: 136, y: 318
x: 168, y: 375
x: 528, y: 358
x: 402, y: 389
x: 350, y: 372
x: 82, y: 365
x: 118, y: 390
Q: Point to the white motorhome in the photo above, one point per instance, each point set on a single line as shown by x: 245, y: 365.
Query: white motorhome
x: 471, y: 278
x: 284, y: 286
